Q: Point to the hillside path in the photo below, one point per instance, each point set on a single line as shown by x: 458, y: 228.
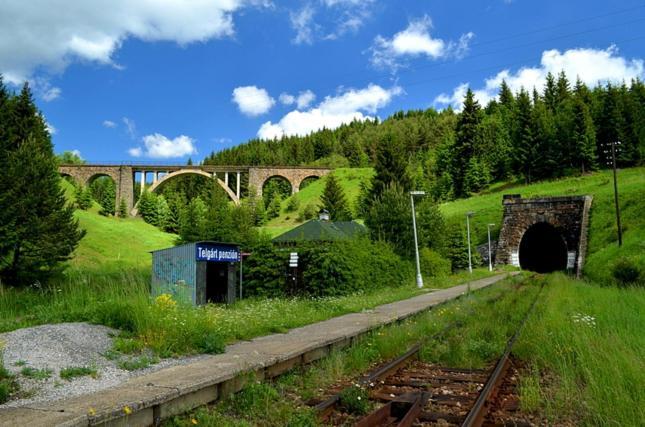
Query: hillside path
x: 146, y: 399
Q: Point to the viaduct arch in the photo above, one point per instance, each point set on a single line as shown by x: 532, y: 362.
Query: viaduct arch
x: 544, y: 234
x: 124, y: 176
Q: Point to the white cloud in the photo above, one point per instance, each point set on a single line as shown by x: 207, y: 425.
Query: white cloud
x: 592, y: 66
x: 305, y: 99
x: 109, y: 124
x: 158, y: 146
x: 252, y: 101
x: 54, y: 33
x: 77, y: 153
x: 302, y: 22
x: 130, y: 127
x: 286, y: 99
x: 50, y: 128
x: 135, y: 152
x: 332, y: 112
x: 51, y: 94
x: 415, y: 41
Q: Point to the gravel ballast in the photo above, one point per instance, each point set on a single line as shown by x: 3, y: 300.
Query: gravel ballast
x: 65, y: 345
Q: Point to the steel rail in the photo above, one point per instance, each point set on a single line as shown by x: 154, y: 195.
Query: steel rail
x: 478, y: 412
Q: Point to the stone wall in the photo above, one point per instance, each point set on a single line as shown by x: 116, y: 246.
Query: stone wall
x: 568, y: 215
x: 258, y: 176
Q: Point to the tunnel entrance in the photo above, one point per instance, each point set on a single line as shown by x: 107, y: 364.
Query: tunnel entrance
x: 543, y: 249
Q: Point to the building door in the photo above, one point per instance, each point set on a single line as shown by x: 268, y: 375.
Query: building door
x: 216, y: 282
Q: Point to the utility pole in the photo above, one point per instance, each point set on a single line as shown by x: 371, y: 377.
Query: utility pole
x: 612, y: 163
x: 416, y: 242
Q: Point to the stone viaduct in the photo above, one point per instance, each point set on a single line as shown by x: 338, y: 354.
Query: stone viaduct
x: 544, y: 234
x: 228, y: 177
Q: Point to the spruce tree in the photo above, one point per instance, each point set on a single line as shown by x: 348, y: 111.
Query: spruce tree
x: 192, y: 226
x: 550, y: 93
x: 584, y: 137
x: 108, y: 201
x: 147, y: 206
x: 467, y: 137
x: 525, y: 144
x: 275, y: 205
x: 37, y: 226
x: 123, y: 209
x: 334, y: 201
x: 83, y: 197
x: 391, y: 166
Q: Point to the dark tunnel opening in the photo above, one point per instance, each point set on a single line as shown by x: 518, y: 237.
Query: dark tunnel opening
x: 543, y: 249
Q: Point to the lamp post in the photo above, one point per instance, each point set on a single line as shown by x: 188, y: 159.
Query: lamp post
x: 611, y: 162
x: 490, y: 257
x: 416, y: 241
x: 470, y: 261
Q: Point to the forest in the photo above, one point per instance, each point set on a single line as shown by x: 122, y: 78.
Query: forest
x: 562, y: 130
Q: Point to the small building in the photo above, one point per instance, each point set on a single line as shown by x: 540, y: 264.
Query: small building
x: 196, y: 273
x: 319, y: 230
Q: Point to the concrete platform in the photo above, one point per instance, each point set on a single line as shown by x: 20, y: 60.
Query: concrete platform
x: 147, y: 399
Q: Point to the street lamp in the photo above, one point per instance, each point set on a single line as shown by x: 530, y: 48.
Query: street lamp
x: 470, y: 261
x: 490, y: 258
x: 416, y: 242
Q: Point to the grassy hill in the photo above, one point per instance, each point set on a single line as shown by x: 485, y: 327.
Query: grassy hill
x: 603, y: 250
x: 349, y: 179
x: 114, y: 244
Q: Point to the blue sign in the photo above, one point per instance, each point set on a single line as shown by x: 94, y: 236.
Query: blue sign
x: 217, y: 253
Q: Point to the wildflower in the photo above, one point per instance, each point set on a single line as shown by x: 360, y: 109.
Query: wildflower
x: 127, y: 410
x: 91, y: 412
x: 194, y: 421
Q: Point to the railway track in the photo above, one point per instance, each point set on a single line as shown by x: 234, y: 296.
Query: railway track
x: 409, y: 392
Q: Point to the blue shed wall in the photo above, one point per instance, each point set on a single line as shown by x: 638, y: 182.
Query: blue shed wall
x: 172, y: 266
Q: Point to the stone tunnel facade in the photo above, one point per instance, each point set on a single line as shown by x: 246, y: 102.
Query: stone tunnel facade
x: 568, y: 215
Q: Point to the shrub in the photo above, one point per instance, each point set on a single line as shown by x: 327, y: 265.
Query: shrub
x: 626, y: 272
x: 355, y: 400
x: 433, y: 264
x: 293, y: 204
x: 309, y: 212
x: 5, y: 391
x: 211, y: 343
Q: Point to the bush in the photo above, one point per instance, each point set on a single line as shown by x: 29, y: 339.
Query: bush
x: 293, y: 204
x: 309, y: 212
x: 355, y: 400
x: 433, y: 264
x: 626, y: 272
x: 5, y: 391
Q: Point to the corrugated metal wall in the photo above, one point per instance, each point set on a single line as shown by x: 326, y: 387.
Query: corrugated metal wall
x: 174, y: 273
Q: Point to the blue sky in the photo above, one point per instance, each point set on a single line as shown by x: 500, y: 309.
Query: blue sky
x: 139, y: 80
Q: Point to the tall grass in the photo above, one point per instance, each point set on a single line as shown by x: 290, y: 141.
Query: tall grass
x: 588, y: 342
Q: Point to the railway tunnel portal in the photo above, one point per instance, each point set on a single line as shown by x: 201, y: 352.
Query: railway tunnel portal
x: 544, y: 234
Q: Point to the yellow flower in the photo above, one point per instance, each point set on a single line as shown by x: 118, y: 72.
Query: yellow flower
x: 165, y: 301
x: 91, y: 412
x: 127, y: 410
x: 194, y: 421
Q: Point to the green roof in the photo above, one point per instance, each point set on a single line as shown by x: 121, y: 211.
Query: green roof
x: 325, y: 231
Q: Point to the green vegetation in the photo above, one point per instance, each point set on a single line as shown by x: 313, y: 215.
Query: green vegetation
x: 37, y: 226
x: 72, y: 372
x: 284, y: 401
x: 136, y: 363
x: 37, y: 374
x: 603, y: 251
x: 8, y: 384
x: 586, y: 350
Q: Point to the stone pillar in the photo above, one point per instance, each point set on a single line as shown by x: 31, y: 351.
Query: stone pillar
x: 143, y: 181
x: 226, y: 178
x: 155, y: 177
x: 237, y: 185
x: 125, y: 187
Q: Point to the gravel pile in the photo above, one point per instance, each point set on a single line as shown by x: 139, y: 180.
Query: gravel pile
x: 64, y: 345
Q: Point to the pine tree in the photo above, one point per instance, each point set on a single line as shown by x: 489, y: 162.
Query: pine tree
x: 274, y: 206
x: 506, y: 97
x: 83, y: 197
x: 334, y: 201
x: 584, y: 137
x: 466, y: 141
x: 193, y: 221
x: 108, y: 200
x: 525, y: 146
x: 391, y: 166
x: 389, y: 219
x: 37, y: 228
x: 147, y: 206
x: 123, y: 209
x: 161, y: 212
x: 550, y: 93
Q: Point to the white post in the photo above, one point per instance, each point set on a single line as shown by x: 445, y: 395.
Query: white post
x: 416, y: 243
x: 241, y: 257
x: 143, y: 181
x: 237, y: 184
x: 470, y: 262
x: 490, y: 257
